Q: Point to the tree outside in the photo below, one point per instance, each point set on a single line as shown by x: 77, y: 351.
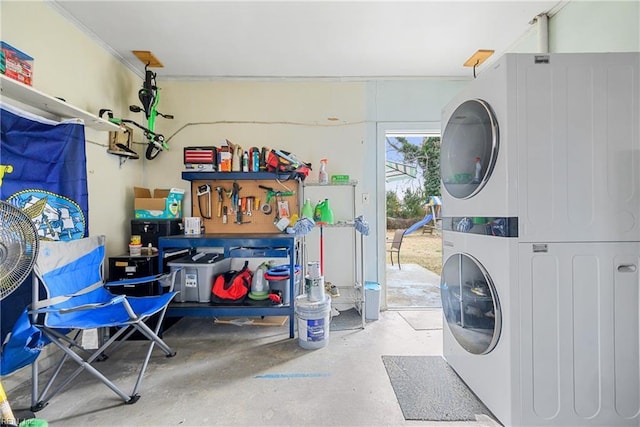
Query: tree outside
x: 426, y: 157
x: 403, y: 210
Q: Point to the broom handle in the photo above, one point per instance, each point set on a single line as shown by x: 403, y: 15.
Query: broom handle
x: 321, y: 252
x: 6, y: 414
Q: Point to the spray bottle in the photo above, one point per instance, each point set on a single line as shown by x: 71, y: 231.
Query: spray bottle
x: 245, y: 162
x: 323, y: 176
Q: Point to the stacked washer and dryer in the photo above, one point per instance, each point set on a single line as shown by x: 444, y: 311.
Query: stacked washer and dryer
x: 540, y: 164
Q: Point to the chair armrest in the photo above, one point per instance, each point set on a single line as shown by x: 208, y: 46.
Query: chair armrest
x: 118, y: 299
x: 137, y: 280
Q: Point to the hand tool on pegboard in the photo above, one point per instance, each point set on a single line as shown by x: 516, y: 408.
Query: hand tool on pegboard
x: 266, y: 207
x: 204, y: 193
x: 220, y: 192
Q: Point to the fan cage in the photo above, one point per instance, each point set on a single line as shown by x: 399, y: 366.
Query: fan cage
x: 18, y: 247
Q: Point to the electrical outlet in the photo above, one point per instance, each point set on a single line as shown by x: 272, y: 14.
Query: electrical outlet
x: 365, y: 198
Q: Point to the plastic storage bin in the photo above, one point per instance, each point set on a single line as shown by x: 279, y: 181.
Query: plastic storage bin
x: 372, y: 300
x: 196, y: 277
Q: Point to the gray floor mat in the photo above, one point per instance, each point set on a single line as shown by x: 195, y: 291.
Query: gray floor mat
x: 348, y: 319
x: 428, y: 389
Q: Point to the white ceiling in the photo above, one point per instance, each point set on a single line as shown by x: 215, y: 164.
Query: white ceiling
x: 304, y: 39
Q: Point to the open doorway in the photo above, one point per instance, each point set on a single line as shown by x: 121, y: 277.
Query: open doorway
x: 412, y: 185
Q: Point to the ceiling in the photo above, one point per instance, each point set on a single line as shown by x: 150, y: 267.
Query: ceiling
x: 305, y: 39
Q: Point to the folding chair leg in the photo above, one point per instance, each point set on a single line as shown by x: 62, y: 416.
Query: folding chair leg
x: 155, y: 339
x: 40, y: 401
x: 43, y: 401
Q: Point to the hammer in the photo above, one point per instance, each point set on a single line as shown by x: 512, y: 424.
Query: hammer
x: 219, y: 190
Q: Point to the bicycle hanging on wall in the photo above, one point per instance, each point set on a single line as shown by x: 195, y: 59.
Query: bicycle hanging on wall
x: 149, y: 96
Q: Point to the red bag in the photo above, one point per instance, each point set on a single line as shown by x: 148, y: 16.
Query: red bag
x: 232, y: 287
x: 283, y: 162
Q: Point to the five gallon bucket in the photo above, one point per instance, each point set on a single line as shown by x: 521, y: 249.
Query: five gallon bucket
x: 313, y: 322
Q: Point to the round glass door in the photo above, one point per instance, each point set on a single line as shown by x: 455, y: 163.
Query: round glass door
x: 469, y: 149
x: 470, y: 304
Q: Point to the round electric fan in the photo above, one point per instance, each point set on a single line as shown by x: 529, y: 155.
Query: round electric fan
x: 18, y: 247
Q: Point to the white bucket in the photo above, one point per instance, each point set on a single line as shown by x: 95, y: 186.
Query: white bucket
x: 313, y: 322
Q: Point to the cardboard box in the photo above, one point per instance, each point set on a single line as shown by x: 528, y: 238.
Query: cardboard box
x: 163, y: 204
x: 16, y: 64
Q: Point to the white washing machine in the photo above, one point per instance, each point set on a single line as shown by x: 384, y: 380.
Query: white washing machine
x: 480, y: 308
x: 545, y: 333
x: 550, y: 142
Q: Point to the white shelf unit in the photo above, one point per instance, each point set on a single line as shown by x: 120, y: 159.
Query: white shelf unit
x: 343, y: 220
x: 29, y: 96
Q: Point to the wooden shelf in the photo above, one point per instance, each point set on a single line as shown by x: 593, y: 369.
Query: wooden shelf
x: 27, y: 95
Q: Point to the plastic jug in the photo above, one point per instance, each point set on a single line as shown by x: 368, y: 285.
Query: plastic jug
x: 323, y: 213
x: 307, y: 209
x: 259, y: 284
x: 326, y: 214
x: 317, y: 211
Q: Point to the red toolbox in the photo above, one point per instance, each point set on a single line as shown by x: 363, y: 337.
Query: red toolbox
x: 201, y: 158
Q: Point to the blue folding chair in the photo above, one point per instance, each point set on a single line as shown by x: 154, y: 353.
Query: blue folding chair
x: 77, y: 301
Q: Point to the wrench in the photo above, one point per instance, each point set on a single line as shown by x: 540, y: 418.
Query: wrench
x: 249, y: 203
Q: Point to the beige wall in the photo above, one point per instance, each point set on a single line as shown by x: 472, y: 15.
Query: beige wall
x: 287, y: 116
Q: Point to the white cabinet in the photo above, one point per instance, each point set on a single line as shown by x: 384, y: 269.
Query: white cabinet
x: 579, y: 316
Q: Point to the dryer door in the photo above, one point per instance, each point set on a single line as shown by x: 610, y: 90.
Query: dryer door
x: 470, y: 304
x: 469, y: 149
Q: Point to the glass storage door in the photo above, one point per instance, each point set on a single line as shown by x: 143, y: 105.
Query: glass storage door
x: 470, y: 304
x: 469, y: 149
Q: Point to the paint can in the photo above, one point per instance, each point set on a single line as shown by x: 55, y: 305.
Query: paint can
x: 314, y: 288
x: 313, y: 322
x: 313, y: 269
x: 135, y: 250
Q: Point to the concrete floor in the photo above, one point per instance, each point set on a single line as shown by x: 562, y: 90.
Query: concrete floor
x: 255, y: 375
x: 412, y: 286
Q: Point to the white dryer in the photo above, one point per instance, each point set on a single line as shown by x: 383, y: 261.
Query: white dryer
x: 550, y: 142
x: 545, y: 334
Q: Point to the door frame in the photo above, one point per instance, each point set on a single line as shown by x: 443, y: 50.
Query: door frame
x: 382, y: 128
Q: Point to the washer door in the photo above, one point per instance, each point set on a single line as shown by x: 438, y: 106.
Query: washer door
x: 470, y: 304
x: 469, y: 149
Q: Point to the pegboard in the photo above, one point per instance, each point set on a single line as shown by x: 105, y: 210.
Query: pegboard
x: 258, y: 221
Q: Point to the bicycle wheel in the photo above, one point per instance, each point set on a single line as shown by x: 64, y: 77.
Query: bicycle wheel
x: 152, y: 151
